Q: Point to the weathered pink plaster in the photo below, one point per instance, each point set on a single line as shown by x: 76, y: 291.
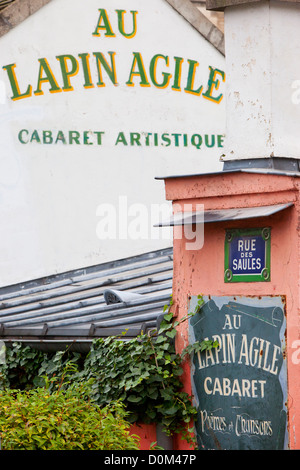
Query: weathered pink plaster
x: 202, y: 271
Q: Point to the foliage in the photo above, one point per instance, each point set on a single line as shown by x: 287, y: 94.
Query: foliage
x: 199, y: 346
x: 144, y: 373
x: 63, y: 420
x: 21, y: 366
x: 25, y: 368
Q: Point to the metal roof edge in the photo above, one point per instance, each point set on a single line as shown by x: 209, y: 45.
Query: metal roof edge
x: 17, y: 12
x: 200, y: 22
x: 67, y: 277
x: 196, y: 175
x: 263, y: 171
x: 223, y: 215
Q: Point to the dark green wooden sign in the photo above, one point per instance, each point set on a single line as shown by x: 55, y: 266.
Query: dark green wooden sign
x: 247, y: 255
x: 240, y: 387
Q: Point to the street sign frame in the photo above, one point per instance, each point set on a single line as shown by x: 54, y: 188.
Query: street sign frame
x: 247, y: 236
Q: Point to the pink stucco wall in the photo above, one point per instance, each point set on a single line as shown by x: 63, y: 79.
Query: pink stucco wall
x: 147, y: 434
x: 202, y: 271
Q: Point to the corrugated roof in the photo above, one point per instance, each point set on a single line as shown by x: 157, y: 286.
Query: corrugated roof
x: 71, y: 307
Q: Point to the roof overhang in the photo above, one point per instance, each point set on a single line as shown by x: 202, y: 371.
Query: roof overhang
x: 258, y: 171
x: 224, y: 215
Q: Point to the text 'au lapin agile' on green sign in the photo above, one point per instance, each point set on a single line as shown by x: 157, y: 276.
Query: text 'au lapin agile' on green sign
x: 240, y: 386
x: 247, y: 255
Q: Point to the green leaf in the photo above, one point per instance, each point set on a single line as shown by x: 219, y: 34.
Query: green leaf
x: 172, y: 410
x: 134, y: 399
x: 171, y: 334
x: 164, y: 327
x: 168, y: 316
x: 160, y: 339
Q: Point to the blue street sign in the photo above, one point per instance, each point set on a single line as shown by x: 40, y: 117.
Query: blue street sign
x: 247, y: 255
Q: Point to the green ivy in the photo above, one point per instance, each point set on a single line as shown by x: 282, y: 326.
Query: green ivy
x: 145, y: 374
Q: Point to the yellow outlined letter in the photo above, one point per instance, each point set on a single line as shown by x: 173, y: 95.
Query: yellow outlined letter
x: 153, y: 66
x: 213, y: 84
x: 103, y: 17
x: 138, y: 61
x: 17, y: 95
x: 44, y: 66
x: 66, y: 73
x: 121, y: 23
x: 110, y: 69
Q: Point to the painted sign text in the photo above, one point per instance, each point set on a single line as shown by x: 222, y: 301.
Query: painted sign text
x: 101, y: 68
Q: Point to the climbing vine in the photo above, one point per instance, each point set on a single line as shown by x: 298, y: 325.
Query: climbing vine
x: 144, y: 373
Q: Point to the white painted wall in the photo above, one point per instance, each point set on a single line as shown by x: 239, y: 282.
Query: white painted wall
x: 50, y: 193
x: 262, y: 42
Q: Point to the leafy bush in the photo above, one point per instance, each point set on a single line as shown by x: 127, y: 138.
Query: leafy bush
x: 63, y: 420
x: 144, y: 373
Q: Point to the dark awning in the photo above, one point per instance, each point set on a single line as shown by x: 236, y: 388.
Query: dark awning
x: 210, y: 216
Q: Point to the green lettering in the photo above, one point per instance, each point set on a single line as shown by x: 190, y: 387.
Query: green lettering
x: 177, y: 74
x: 152, y: 71
x: 165, y: 138
x: 147, y: 138
x: 196, y: 140
x: 74, y: 136
x: 140, y: 72
x: 47, y: 137
x: 193, y: 64
x: 60, y: 137
x: 220, y: 139
x: 135, y: 138
x: 86, y: 138
x: 213, y: 84
x: 86, y: 70
x: 212, y: 143
x: 120, y: 14
x: 35, y: 137
x: 121, y: 139
x: 176, y: 139
x: 103, y: 24
x: 99, y: 137
x: 20, y: 136
x: 49, y: 77
x: 67, y: 72
x: 17, y: 95
x: 110, y: 69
